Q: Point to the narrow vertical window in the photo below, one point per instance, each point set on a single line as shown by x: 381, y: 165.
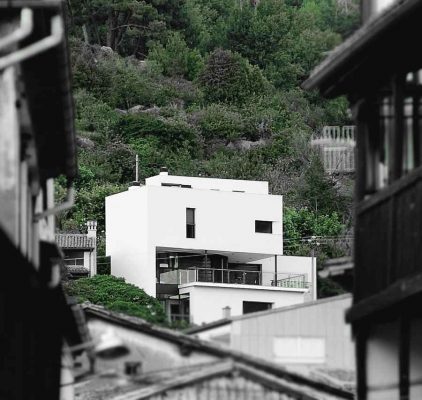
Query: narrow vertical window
x: 190, y: 222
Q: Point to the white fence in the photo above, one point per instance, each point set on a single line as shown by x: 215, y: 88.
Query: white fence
x: 337, y: 147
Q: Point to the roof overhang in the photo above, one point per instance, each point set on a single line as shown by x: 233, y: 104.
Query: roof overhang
x: 47, y: 84
x: 379, y: 49
x: 233, y: 257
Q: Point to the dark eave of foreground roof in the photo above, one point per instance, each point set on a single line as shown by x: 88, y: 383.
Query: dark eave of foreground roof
x: 372, y: 54
x: 194, y: 344
x: 47, y: 78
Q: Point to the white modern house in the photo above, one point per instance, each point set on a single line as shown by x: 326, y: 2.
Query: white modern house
x: 205, y: 245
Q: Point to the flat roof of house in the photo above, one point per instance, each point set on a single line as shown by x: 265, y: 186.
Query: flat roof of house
x: 74, y: 241
x: 191, y: 343
x: 208, y: 183
x: 370, y: 55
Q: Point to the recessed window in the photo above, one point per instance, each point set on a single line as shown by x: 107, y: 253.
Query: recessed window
x: 190, y: 223
x: 177, y: 185
x: 254, y: 306
x: 264, y: 226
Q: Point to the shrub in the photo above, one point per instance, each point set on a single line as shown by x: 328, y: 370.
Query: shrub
x: 227, y: 77
x: 117, y: 295
x: 218, y: 121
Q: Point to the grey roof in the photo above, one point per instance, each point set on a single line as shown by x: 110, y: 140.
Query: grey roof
x: 77, y: 269
x: 75, y: 241
x: 189, y: 343
x: 336, y: 266
x: 167, y: 383
x: 359, y: 50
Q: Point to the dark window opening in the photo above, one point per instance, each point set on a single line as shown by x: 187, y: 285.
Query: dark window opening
x: 190, y: 223
x: 264, y: 226
x: 176, y: 185
x: 254, y: 306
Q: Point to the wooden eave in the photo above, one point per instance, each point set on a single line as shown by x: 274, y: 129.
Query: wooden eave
x: 48, y: 90
x: 374, y: 53
x: 397, y: 293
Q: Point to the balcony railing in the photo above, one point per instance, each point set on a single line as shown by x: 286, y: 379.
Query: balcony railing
x: 179, y: 317
x: 235, y: 276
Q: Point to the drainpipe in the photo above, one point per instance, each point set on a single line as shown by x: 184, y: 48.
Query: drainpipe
x: 275, y: 270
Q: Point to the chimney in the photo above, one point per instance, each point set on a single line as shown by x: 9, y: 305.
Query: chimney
x: 164, y: 171
x: 92, y: 229
x: 226, y: 312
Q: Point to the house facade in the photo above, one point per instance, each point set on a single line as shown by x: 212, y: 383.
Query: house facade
x: 203, y: 244
x: 80, y: 251
x: 380, y: 72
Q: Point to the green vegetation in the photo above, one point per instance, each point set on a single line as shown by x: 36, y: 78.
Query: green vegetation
x: 117, y: 295
x: 208, y: 87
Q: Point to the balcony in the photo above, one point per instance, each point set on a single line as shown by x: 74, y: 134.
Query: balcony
x: 235, y: 276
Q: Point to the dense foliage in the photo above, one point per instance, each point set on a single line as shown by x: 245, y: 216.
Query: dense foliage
x: 208, y: 87
x: 117, y: 295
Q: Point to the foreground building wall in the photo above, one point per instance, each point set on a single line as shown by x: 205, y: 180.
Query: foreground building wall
x: 300, y: 337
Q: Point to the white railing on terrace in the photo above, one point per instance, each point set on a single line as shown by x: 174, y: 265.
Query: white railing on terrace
x: 235, y: 276
x: 337, y: 148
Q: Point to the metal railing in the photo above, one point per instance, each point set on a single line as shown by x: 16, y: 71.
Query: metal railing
x: 235, y: 276
x: 295, y: 281
x: 179, y: 317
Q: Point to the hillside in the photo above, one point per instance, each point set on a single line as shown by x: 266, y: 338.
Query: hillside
x: 210, y: 88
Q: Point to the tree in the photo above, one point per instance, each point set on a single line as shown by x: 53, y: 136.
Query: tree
x: 175, y: 57
x: 117, y: 295
x: 227, y: 77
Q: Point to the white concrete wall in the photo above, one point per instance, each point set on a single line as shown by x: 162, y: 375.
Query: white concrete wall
x: 224, y: 221
x: 127, y: 240
x: 258, y: 187
x: 208, y: 300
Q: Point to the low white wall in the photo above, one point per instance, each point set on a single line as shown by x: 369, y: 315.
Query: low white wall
x: 208, y: 300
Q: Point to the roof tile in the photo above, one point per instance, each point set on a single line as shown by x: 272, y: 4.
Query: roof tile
x: 75, y: 241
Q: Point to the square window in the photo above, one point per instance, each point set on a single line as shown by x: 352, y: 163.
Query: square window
x: 264, y: 226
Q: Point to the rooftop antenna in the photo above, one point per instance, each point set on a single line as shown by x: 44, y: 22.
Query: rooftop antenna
x: 136, y: 181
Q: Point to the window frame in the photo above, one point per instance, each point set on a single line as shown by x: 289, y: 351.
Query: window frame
x: 190, y: 227
x: 259, y: 221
